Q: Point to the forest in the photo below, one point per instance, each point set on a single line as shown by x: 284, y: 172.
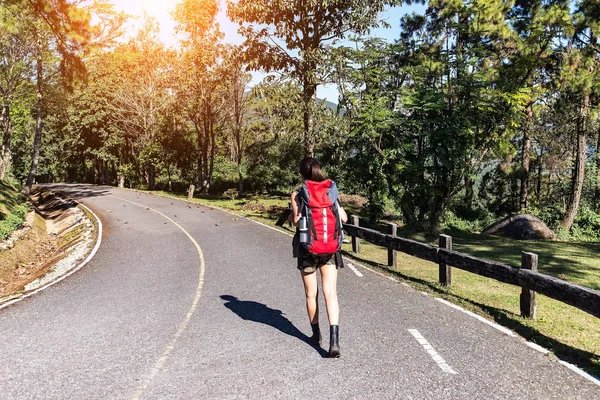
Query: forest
x: 477, y: 110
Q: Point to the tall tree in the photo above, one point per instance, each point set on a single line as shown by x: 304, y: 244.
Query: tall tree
x: 295, y: 37
x: 59, y: 31
x: 200, y: 78
x: 580, y: 72
x: 536, y: 25
x: 143, y: 95
x: 15, y: 67
x: 236, y: 85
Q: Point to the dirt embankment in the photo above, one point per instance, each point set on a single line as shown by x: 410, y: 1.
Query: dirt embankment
x: 59, y: 236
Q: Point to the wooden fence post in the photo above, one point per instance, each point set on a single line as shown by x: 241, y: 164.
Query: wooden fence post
x: 191, y: 192
x: 392, y: 261
x: 355, y: 240
x: 528, y: 306
x: 445, y: 242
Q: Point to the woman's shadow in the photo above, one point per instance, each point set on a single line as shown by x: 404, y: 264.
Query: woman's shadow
x: 257, y: 312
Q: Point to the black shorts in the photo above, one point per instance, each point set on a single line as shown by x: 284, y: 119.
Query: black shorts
x: 309, y: 263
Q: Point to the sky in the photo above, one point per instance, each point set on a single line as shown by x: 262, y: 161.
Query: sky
x: 160, y: 9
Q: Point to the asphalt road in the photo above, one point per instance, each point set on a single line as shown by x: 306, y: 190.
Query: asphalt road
x: 154, y: 317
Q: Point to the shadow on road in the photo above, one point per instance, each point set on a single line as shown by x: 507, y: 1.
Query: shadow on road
x: 257, y: 312
x: 77, y: 191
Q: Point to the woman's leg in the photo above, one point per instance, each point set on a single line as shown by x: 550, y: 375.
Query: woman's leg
x: 311, y: 290
x: 329, y: 281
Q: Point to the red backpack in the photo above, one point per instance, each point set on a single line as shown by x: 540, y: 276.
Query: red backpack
x: 319, y: 204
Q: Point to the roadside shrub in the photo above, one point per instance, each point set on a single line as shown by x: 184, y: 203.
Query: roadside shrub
x: 231, y: 193
x: 13, y: 221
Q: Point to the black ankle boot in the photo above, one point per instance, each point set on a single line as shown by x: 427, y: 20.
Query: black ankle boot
x: 334, y: 341
x: 316, y: 336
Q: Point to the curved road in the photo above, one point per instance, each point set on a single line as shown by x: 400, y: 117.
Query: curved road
x: 129, y: 325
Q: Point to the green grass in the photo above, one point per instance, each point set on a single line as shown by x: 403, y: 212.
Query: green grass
x: 570, y: 333
x: 13, y: 209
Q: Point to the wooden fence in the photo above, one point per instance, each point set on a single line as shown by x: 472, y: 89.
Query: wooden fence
x: 526, y: 276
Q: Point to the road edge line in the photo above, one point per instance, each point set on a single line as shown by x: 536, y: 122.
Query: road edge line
x: 499, y: 327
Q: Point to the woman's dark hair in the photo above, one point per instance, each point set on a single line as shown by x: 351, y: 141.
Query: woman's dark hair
x: 310, y: 170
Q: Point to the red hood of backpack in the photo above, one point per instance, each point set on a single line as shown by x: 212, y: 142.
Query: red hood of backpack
x: 319, y: 193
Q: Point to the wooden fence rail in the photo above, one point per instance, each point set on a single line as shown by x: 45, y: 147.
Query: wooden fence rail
x: 527, y: 277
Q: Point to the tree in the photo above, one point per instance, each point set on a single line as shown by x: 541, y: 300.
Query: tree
x: 143, y: 95
x: 580, y: 71
x: 295, y: 37
x: 200, y: 84
x: 236, y: 81
x: 14, y: 69
x: 536, y: 25
x: 58, y: 32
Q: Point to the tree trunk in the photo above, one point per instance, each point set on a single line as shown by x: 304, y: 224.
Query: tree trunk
x: 200, y: 142
x: 526, y: 158
x: 205, y: 145
x: 239, y: 162
x: 151, y: 177
x: 5, y: 155
x: 579, y: 169
x: 37, y: 142
x: 105, y: 173
x: 309, y: 92
x: 597, y: 194
x: 408, y: 210
x: 539, y: 176
x: 469, y: 183
x: 213, y: 146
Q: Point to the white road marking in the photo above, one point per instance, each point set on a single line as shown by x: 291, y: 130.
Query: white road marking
x: 537, y: 347
x: 479, y: 317
x: 356, y: 271
x: 434, y: 355
x: 580, y: 372
x: 182, y: 327
x: 83, y: 264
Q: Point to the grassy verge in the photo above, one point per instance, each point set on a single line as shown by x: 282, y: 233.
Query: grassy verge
x: 13, y: 209
x: 570, y: 333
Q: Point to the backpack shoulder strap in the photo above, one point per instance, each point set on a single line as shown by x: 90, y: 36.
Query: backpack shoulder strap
x: 333, y: 194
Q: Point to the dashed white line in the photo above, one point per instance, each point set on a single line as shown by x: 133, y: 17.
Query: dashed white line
x: 434, y: 354
x: 356, y: 271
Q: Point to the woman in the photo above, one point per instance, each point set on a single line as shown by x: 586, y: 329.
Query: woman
x: 309, y: 263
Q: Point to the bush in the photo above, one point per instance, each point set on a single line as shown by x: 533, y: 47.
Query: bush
x: 586, y: 227
x: 13, y: 221
x: 452, y: 221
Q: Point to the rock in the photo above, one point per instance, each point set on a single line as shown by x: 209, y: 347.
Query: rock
x: 520, y: 227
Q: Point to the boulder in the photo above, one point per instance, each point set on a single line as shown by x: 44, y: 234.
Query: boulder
x: 520, y: 227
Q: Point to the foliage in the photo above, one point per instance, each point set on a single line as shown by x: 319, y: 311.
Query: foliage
x: 477, y: 110
x: 13, y: 221
x: 295, y: 38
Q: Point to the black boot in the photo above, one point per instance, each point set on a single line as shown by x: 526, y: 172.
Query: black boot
x: 334, y: 341
x: 316, y: 336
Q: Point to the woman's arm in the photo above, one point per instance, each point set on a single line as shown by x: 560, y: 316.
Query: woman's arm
x: 295, y: 215
x: 343, y: 215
